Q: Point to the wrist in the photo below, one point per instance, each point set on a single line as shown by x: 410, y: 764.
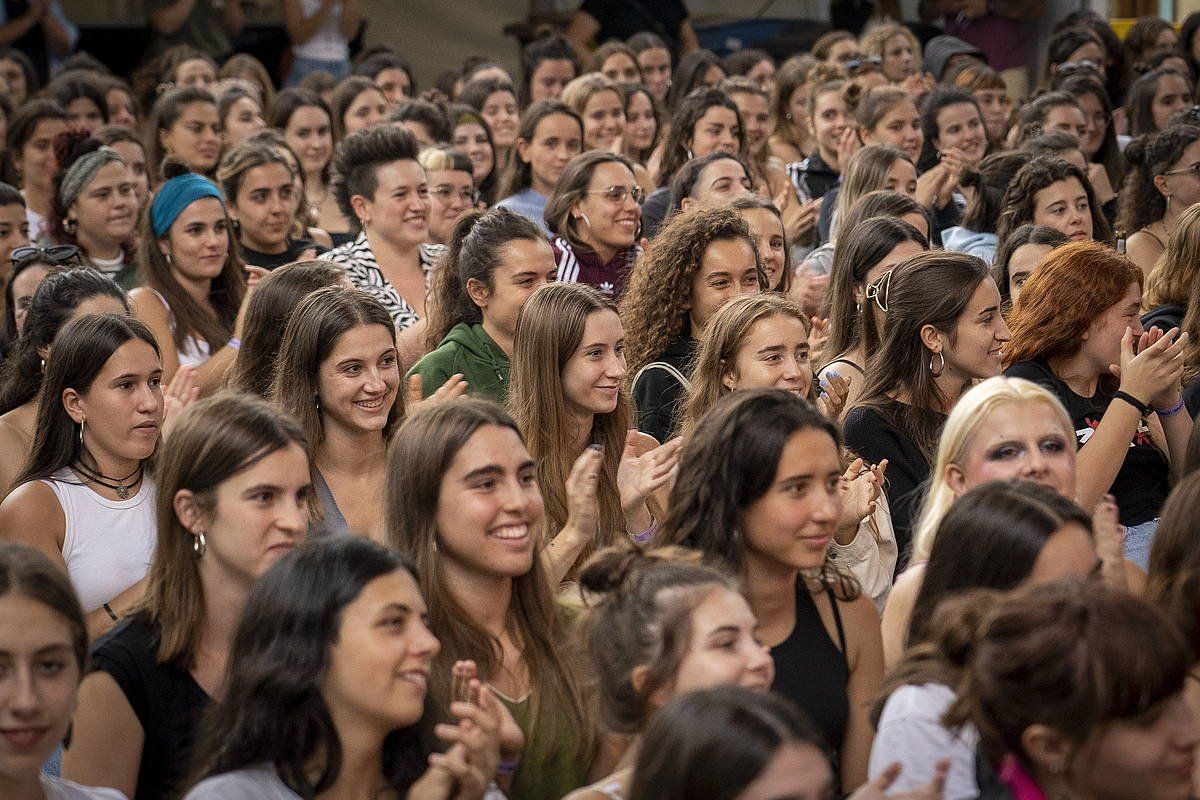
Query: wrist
x: 1143, y: 408
x: 1170, y: 409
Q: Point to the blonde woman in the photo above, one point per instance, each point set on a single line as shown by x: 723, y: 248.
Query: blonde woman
x: 761, y: 341
x: 599, y: 103
x: 1002, y: 429
x: 899, y: 55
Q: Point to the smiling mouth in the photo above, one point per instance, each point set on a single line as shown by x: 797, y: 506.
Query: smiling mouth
x: 370, y: 405
x: 510, y: 532
x: 24, y: 737
x: 416, y: 677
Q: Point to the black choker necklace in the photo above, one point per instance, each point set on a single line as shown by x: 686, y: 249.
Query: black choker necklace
x: 119, y: 485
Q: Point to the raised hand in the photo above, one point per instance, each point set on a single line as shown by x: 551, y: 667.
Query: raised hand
x: 455, y: 386
x: 583, y: 509
x: 180, y: 393
x: 1154, y: 372
x: 1109, y: 536
x: 645, y: 467
x: 834, y: 390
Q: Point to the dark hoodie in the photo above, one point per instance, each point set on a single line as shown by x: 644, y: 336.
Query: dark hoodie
x: 467, y: 349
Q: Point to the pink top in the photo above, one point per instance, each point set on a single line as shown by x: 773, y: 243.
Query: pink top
x: 1018, y: 781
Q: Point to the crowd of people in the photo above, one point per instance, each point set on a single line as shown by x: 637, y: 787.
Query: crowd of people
x: 648, y: 424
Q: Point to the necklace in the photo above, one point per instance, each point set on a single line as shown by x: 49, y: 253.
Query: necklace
x: 119, y: 485
x: 314, y: 207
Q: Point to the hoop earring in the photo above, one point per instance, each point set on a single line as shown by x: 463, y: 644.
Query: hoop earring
x: 689, y: 154
x: 80, y: 436
x: 199, y: 545
x: 937, y: 373
x: 585, y: 219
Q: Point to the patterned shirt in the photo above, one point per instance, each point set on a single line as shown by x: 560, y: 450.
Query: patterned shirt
x: 364, y: 273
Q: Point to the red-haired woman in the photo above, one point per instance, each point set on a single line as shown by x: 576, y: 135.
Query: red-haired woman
x: 1132, y: 431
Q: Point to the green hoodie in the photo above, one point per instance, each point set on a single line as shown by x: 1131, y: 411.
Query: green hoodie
x: 469, y: 350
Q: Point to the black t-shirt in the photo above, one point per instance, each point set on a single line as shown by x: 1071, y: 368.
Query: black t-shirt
x: 1141, y: 486
x: 620, y: 19
x: 296, y: 248
x: 659, y: 395
x: 167, y: 701
x: 872, y: 433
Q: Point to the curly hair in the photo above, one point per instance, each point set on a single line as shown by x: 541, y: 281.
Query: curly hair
x: 677, y: 149
x: 655, y: 306
x: 1052, y: 314
x: 1149, y: 156
x: 1021, y: 196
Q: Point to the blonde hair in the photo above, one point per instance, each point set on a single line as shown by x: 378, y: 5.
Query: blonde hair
x: 723, y: 336
x: 578, y: 92
x: 958, y: 435
x: 866, y: 171
x: 550, y: 329
x: 874, y: 41
x: 1178, y: 268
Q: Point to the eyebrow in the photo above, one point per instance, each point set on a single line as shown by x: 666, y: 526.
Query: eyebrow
x: 989, y: 310
x: 774, y: 348
x: 261, y: 487
x: 57, y: 647
x: 724, y: 629
x: 401, y: 607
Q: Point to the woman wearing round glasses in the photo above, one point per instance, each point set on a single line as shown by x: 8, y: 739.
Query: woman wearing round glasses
x: 594, y: 218
x: 1163, y: 180
x: 451, y: 189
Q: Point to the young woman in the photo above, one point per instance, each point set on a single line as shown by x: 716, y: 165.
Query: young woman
x: 30, y: 268
x: 1002, y: 429
x: 307, y: 127
x: 495, y: 261
x: 712, y: 180
x: 320, y: 37
x: 267, y: 313
x: 1154, y: 97
x: 599, y: 103
x: 1161, y: 184
x: 261, y: 189
x: 95, y: 208
x: 390, y: 72
x: 567, y: 395
x: 834, y: 137
x: 754, y: 104
x: 761, y: 463
x: 471, y: 136
x: 452, y: 189
x: 991, y: 93
x: 768, y: 749
x: 60, y: 299
x: 701, y: 259
x: 765, y: 222
x: 385, y: 189
x: 193, y: 280
x: 322, y: 625
x: 82, y: 98
x: 699, y: 69
x: 897, y: 49
x: 705, y: 122
x: 1166, y: 301
x: 870, y: 169
x: 357, y: 104
x: 944, y: 330
x: 463, y: 505
x: 762, y: 341
x: 551, y: 134
x: 133, y: 153
x: 955, y: 139
x: 1125, y: 731
x: 594, y: 218
x: 84, y: 497
x: 549, y: 64
x: 856, y: 312
x: 233, y: 497
x: 184, y: 123
x: 44, y: 642
x: 1069, y: 343
x: 644, y: 124
x: 615, y: 61
x: 496, y: 101
x: 1023, y: 249
x: 654, y: 62
x: 1056, y: 193
x: 30, y: 162
x: 240, y: 109
x: 661, y: 625
x: 790, y: 137
x: 886, y: 116
x: 338, y: 376
x: 1099, y: 142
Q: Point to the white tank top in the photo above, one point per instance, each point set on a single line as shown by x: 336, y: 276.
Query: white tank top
x: 327, y: 44
x: 108, y: 543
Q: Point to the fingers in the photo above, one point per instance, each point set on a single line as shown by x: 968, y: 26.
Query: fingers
x: 937, y: 785
x: 455, y: 386
x: 887, y: 777
x: 584, y: 477
x: 413, y: 395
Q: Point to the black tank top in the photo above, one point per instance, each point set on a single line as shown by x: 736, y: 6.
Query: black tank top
x: 812, y: 672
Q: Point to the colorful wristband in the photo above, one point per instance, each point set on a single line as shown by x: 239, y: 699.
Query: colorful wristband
x: 234, y: 343
x: 646, y: 535
x: 1172, y: 411
x: 506, y: 768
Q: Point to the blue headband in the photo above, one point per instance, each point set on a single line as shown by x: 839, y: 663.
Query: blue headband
x: 176, y: 195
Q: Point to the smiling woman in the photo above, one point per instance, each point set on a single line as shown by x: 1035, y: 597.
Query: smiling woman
x: 235, y: 495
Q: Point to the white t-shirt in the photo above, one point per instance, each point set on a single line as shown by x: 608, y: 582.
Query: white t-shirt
x: 911, y: 732
x: 327, y: 44
x: 62, y: 789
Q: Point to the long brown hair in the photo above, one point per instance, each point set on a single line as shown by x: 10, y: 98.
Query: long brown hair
x: 212, y: 440
x: 312, y: 332
x: 225, y: 292
x: 658, y: 297
x: 549, y: 330
x: 423, y: 450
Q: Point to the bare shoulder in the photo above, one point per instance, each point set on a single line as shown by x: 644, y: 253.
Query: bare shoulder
x: 31, y: 514
x: 147, y: 305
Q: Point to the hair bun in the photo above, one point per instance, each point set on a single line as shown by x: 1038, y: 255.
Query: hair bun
x: 1138, y: 150
x: 173, y: 167
x: 852, y: 95
x: 609, y: 569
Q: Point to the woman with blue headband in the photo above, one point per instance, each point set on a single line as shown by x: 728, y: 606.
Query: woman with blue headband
x: 193, y: 281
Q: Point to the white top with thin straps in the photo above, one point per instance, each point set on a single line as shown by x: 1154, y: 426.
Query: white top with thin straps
x: 108, y: 544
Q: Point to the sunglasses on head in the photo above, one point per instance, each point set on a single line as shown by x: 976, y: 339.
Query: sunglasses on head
x: 58, y: 254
